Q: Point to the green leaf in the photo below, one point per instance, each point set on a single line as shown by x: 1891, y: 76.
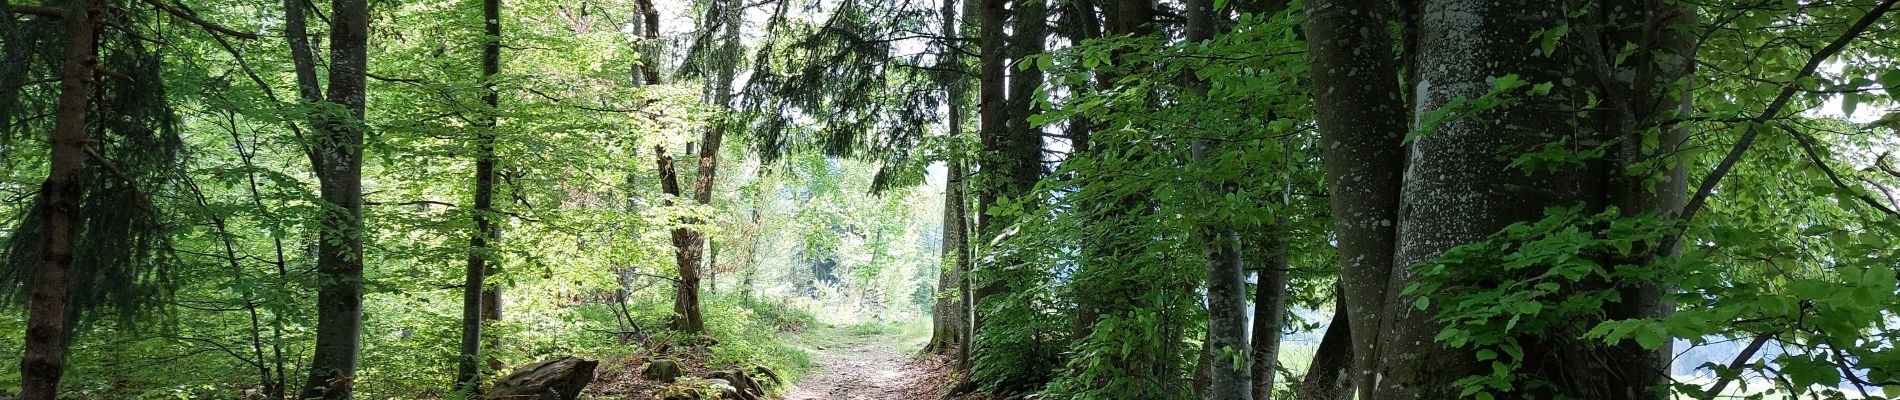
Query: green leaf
x: 1805, y: 371
x: 1890, y: 80
x: 1650, y: 336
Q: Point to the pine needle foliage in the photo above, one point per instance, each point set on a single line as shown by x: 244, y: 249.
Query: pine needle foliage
x: 119, y: 265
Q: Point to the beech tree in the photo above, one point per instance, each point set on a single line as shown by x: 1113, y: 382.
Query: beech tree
x: 336, y: 156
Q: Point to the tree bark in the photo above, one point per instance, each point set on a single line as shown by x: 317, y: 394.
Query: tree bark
x: 1362, y: 122
x: 649, y: 74
x: 1329, y: 376
x: 474, y: 289
x: 686, y: 242
x: 338, y: 161
x: 1229, y: 376
x: 992, y: 128
x: 43, y: 363
x: 692, y: 242
x: 1269, y: 309
x: 1459, y: 186
x: 1630, y: 371
x: 946, y: 312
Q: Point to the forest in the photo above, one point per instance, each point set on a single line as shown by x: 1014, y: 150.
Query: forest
x: 949, y: 199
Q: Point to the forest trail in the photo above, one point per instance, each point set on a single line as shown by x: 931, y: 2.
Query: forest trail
x: 854, y: 363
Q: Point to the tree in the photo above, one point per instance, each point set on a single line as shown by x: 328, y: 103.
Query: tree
x: 47, y: 322
x: 337, y: 159
x: 475, y: 293
x: 947, y: 314
x: 1457, y: 190
x: 1356, y: 92
x: 1227, y: 339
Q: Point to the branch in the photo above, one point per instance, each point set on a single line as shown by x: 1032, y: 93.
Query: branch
x: 1807, y: 146
x: 412, y: 203
x: 583, y: 107
x: 208, y: 25
x: 145, y: 201
x: 675, y: 280
x: 1774, y: 108
x: 1736, y: 364
x: 43, y: 11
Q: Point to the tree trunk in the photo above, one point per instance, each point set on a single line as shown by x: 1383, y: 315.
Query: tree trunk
x: 1229, y: 351
x: 338, y: 161
x: 1106, y: 250
x: 1362, y: 123
x: 946, y: 312
x: 474, y: 288
x: 1329, y: 376
x: 44, y: 361
x: 1458, y: 189
x: 1666, y: 27
x: 992, y: 127
x: 649, y: 74
x: 751, y: 254
x: 686, y: 315
x: 1269, y: 309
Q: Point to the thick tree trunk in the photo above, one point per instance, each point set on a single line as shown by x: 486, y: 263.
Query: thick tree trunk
x: 474, y: 297
x: 1362, y: 121
x: 1458, y: 188
x: 992, y: 128
x: 1269, y: 309
x: 44, y: 361
x: 1027, y: 32
x: 338, y: 161
x: 1329, y: 376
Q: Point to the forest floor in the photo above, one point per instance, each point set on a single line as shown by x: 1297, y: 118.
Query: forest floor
x: 868, y: 363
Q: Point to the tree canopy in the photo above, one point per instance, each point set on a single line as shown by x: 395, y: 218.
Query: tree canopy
x: 1065, y: 199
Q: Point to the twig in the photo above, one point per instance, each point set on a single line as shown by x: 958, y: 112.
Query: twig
x: 1807, y: 146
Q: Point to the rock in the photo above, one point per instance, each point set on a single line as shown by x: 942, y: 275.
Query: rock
x: 744, y: 387
x: 557, y: 379
x: 725, y: 389
x: 663, y: 370
x: 678, y: 392
x: 761, y: 370
x: 700, y: 389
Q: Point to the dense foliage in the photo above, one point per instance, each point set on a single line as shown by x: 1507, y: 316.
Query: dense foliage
x: 1240, y: 199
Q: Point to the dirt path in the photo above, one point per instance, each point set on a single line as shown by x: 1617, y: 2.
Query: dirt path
x: 861, y: 367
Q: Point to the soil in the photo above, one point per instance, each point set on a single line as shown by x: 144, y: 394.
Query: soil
x: 870, y: 367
